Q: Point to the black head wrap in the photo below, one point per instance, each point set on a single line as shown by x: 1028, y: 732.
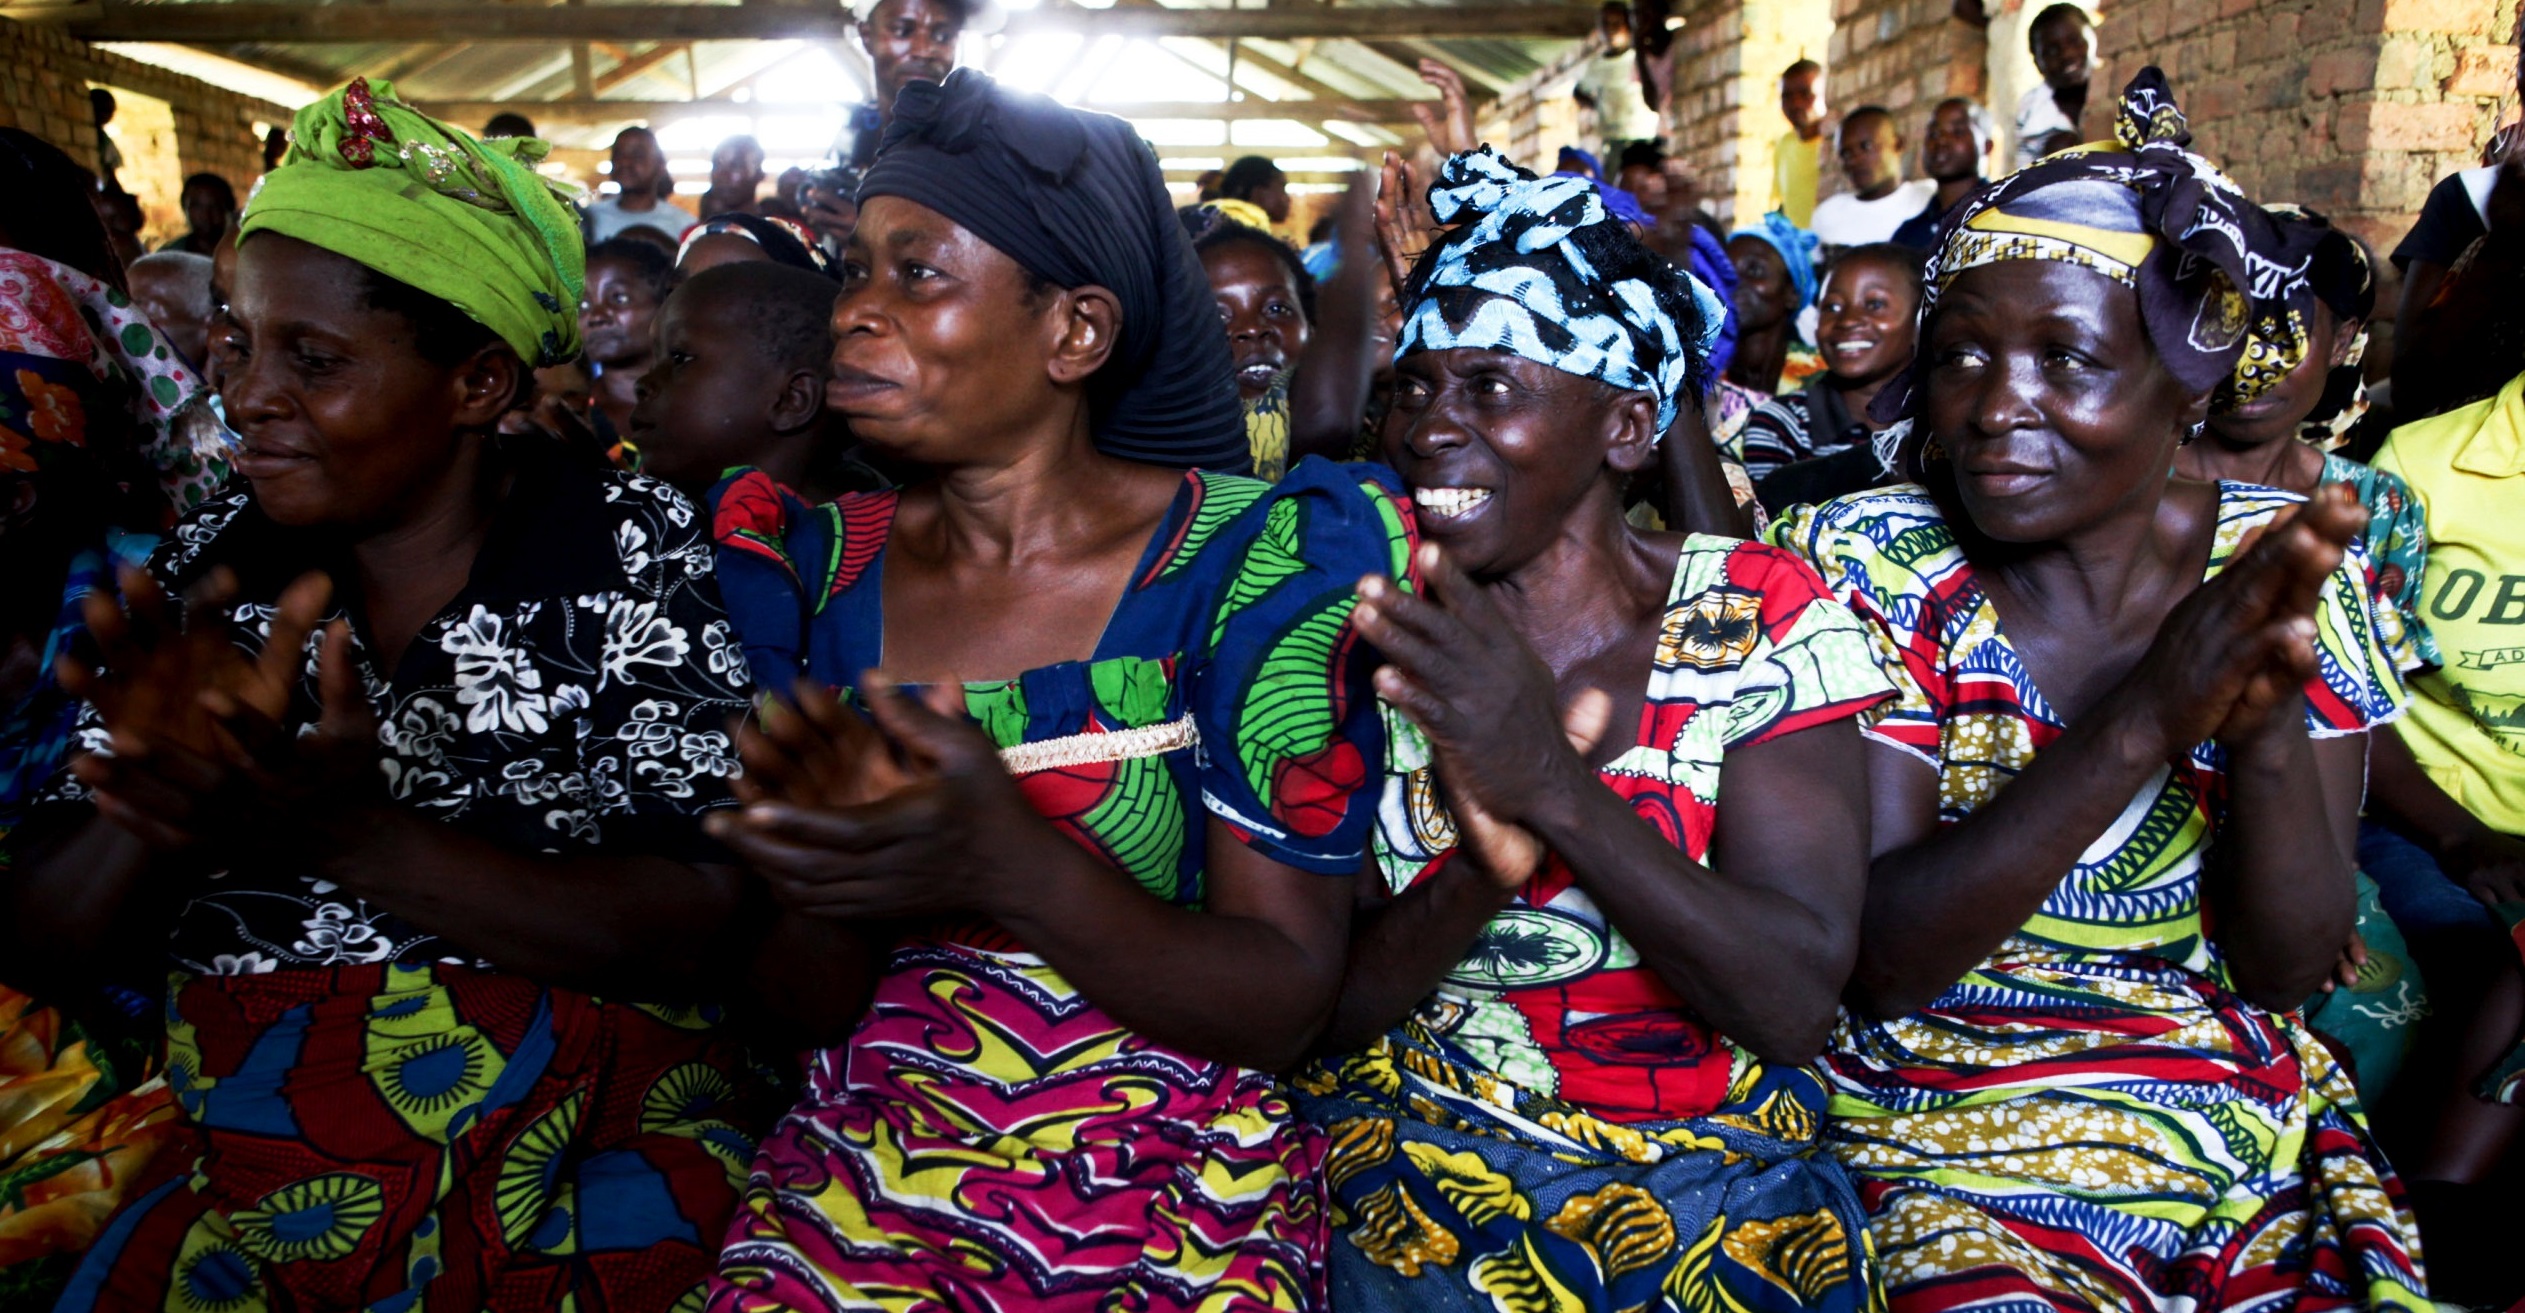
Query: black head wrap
x: 1077, y: 199
x: 2223, y: 288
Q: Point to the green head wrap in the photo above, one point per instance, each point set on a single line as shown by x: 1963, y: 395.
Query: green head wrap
x: 469, y: 222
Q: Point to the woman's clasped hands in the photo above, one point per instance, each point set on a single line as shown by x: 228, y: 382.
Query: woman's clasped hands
x: 199, y: 752
x: 906, y: 812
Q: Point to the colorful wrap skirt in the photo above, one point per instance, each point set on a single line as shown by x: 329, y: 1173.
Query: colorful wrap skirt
x: 1455, y: 1189
x: 989, y: 1141
x: 78, y: 1125
x: 431, y: 1138
x: 2098, y: 1132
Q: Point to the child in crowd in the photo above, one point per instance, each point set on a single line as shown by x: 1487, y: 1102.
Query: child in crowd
x: 1866, y: 325
x: 627, y: 280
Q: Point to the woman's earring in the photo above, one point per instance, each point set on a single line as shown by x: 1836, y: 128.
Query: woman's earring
x: 2193, y: 434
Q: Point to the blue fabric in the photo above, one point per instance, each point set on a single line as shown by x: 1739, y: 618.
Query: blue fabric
x: 1797, y: 249
x: 1710, y: 264
x: 35, y: 731
x: 1511, y: 278
x: 2423, y: 903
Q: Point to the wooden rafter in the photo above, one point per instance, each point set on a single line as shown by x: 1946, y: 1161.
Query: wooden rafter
x: 112, y: 20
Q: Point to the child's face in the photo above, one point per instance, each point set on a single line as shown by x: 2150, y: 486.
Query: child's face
x: 1864, y: 320
x: 1258, y: 299
x: 707, y: 403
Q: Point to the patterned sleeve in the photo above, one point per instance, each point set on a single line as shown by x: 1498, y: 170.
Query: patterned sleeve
x: 1775, y: 435
x: 1810, y: 664
x: 1291, y: 742
x: 1844, y: 544
x: 2398, y: 541
x: 2360, y: 654
x: 674, y: 675
x: 768, y: 546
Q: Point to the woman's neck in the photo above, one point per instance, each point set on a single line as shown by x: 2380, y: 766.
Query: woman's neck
x: 2118, y: 568
x: 1761, y: 355
x: 1048, y: 497
x: 2282, y: 463
x: 411, y: 570
x: 1589, y: 590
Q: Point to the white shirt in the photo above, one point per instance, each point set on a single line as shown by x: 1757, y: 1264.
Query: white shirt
x: 2038, y: 116
x: 1845, y: 220
x: 607, y: 219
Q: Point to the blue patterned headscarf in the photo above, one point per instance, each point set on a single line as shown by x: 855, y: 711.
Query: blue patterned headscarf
x: 1797, y: 251
x: 1519, y: 272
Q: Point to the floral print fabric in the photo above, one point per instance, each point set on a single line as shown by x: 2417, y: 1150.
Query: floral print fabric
x: 1553, y: 1118
x: 2092, y: 1119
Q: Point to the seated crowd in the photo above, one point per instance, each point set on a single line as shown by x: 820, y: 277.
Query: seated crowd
x: 1020, y: 749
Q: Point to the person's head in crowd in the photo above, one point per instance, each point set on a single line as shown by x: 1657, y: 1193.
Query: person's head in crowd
x: 384, y: 319
x: 744, y: 352
x: 119, y: 212
x: 1802, y: 97
x: 1955, y: 146
x: 1867, y: 313
x: 508, y: 123
x: 101, y: 106
x: 209, y: 203
x: 626, y: 283
x: 2062, y: 40
x: 1642, y: 173
x: 1016, y: 260
x: 52, y: 210
x: 638, y: 166
x: 1205, y: 187
x: 736, y: 176
x: 2140, y: 265
x: 915, y: 40
x: 223, y: 279
x: 1775, y: 274
x: 275, y: 145
x: 1258, y: 182
x: 1524, y: 412
x: 1266, y: 299
x: 743, y: 238
x: 1578, y: 163
x: 1871, y: 150
x: 662, y: 241
x: 2337, y: 298
x: 173, y: 289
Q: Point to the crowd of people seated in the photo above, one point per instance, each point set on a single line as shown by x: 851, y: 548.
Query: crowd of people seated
x: 977, y: 739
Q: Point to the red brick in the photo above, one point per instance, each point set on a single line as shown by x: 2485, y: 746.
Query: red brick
x: 2386, y: 126
x: 2337, y: 71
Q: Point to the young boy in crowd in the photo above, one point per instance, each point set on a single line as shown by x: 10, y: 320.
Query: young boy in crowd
x: 743, y: 354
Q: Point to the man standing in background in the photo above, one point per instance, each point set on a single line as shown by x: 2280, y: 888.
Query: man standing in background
x: 639, y: 168
x: 1797, y: 161
x: 736, y: 177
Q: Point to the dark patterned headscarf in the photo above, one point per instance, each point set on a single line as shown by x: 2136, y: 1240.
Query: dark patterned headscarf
x: 785, y: 241
x: 2223, y: 288
x: 1076, y: 198
x: 1524, y: 270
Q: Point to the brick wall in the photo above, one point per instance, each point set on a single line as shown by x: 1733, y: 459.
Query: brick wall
x: 2352, y: 107
x: 45, y: 92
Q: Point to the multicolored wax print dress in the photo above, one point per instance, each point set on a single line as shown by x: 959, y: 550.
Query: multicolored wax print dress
x: 989, y: 1138
x: 2092, y: 1119
x: 1553, y: 1128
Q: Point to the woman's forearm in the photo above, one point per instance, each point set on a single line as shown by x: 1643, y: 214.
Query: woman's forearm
x: 1698, y: 499
x: 1400, y: 952
x: 77, y: 904
x: 1936, y: 908
x: 641, y: 923
x: 2283, y: 891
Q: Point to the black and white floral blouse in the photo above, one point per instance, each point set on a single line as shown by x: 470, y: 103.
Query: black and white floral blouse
x: 574, y: 697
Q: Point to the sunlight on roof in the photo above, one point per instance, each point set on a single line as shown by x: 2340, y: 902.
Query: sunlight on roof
x: 1146, y: 71
x: 809, y: 76
x: 1033, y: 63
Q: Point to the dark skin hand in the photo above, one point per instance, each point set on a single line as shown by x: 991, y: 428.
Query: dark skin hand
x: 2060, y: 423
x: 1537, y: 634
x: 346, y: 427
x: 1011, y: 559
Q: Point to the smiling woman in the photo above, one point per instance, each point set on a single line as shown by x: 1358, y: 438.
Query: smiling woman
x: 428, y: 742
x: 2116, y: 795
x: 1570, y: 1054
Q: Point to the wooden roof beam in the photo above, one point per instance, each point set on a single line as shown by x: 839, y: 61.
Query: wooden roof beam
x: 632, y: 66
x: 587, y: 112
x: 114, y: 20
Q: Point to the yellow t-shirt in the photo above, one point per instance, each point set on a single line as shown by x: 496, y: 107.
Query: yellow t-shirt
x: 1796, y: 164
x: 2467, y: 726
